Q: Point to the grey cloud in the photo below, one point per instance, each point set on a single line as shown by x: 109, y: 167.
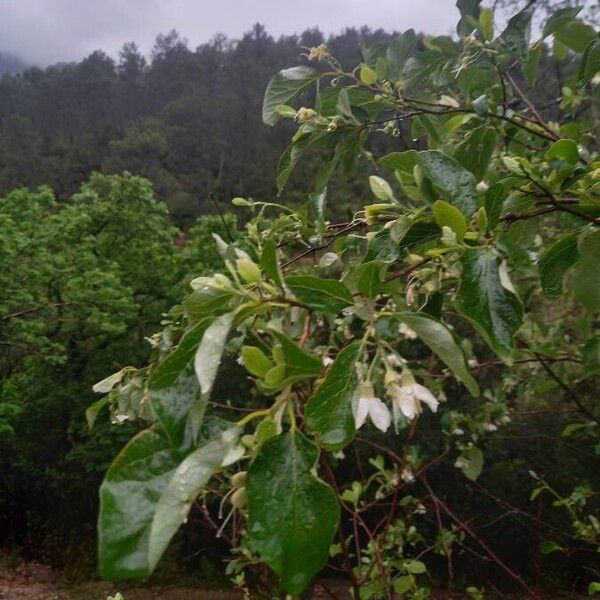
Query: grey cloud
x: 46, y: 31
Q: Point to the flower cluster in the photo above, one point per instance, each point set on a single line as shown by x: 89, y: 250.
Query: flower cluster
x: 406, y: 397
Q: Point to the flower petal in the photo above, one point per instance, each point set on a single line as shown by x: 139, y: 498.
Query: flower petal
x: 361, y: 410
x: 408, y: 403
x: 423, y: 394
x: 380, y: 414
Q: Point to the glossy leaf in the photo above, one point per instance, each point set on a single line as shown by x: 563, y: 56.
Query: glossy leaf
x: 590, y: 61
x: 586, y: 279
x: 283, y: 88
x: 494, y: 201
x: 129, y: 494
x: 565, y: 150
x: 447, y: 215
x: 369, y: 279
x: 327, y: 295
x: 483, y: 299
x: 575, y: 35
x: 471, y: 462
x: 476, y: 151
x: 173, y: 404
x: 269, y: 262
x: 256, y: 361
x: 169, y: 369
x: 514, y: 40
x: 186, y: 482
x: 398, y: 52
x: 456, y: 183
x: 292, y: 515
x: 328, y: 411
x: 299, y: 364
x: 210, y: 350
x: 555, y: 262
x: 440, y: 341
x: 559, y: 19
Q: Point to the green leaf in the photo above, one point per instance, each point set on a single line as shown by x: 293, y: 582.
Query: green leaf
x: 555, y: 262
x: 256, y: 361
x: 326, y: 295
x: 475, y: 152
x: 343, y: 104
x: 483, y: 299
x: 514, y: 40
x: 328, y: 411
x: 210, y: 350
x: 575, y: 35
x: 533, y: 61
x: 381, y: 189
x: 586, y: 279
x: 571, y: 428
x: 403, y: 584
x: 565, y: 150
x: 128, y: 496
x: 400, y: 161
x: 471, y: 462
x: 590, y: 61
x: 398, y: 52
x: 415, y: 567
x: 494, y: 201
x: 173, y: 404
x: 269, y: 262
x: 456, y: 183
x: 448, y: 215
x: 559, y: 19
x: 145, y: 497
x: 206, y: 302
x: 469, y: 13
x: 284, y: 87
x: 439, y: 339
x: 92, y: 411
x: 299, y: 364
x: 593, y: 588
x: 316, y: 209
x: 169, y: 369
x: 185, y: 484
x: 549, y: 546
x: 369, y: 280
x: 486, y: 23
x: 292, y: 515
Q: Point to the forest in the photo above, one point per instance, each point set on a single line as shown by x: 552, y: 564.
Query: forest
x: 306, y: 310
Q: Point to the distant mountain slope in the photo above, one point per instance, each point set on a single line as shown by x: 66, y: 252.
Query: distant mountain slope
x: 9, y: 63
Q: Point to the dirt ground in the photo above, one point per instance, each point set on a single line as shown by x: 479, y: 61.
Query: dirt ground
x: 35, y: 581
x: 38, y: 582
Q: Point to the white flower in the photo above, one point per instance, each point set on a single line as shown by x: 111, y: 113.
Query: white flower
x: 407, y: 331
x: 407, y: 475
x: 407, y: 396
x: 366, y: 404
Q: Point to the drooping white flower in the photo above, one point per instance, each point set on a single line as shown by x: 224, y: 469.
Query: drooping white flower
x: 366, y: 404
x: 407, y: 396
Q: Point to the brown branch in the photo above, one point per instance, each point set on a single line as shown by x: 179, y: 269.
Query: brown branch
x: 469, y: 530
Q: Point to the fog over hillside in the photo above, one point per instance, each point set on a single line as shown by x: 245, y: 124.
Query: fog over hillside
x: 10, y: 63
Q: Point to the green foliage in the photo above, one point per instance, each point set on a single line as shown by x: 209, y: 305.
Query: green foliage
x: 446, y: 281
x: 469, y: 289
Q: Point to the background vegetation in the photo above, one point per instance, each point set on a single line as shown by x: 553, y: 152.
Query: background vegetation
x: 90, y: 265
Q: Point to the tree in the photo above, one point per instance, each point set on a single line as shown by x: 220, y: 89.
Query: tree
x: 470, y: 280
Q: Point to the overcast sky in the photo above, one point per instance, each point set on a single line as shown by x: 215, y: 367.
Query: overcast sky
x: 47, y: 31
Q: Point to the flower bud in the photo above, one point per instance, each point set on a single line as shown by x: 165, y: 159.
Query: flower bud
x: 239, y: 498
x: 238, y: 480
x: 305, y: 114
x: 248, y: 270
